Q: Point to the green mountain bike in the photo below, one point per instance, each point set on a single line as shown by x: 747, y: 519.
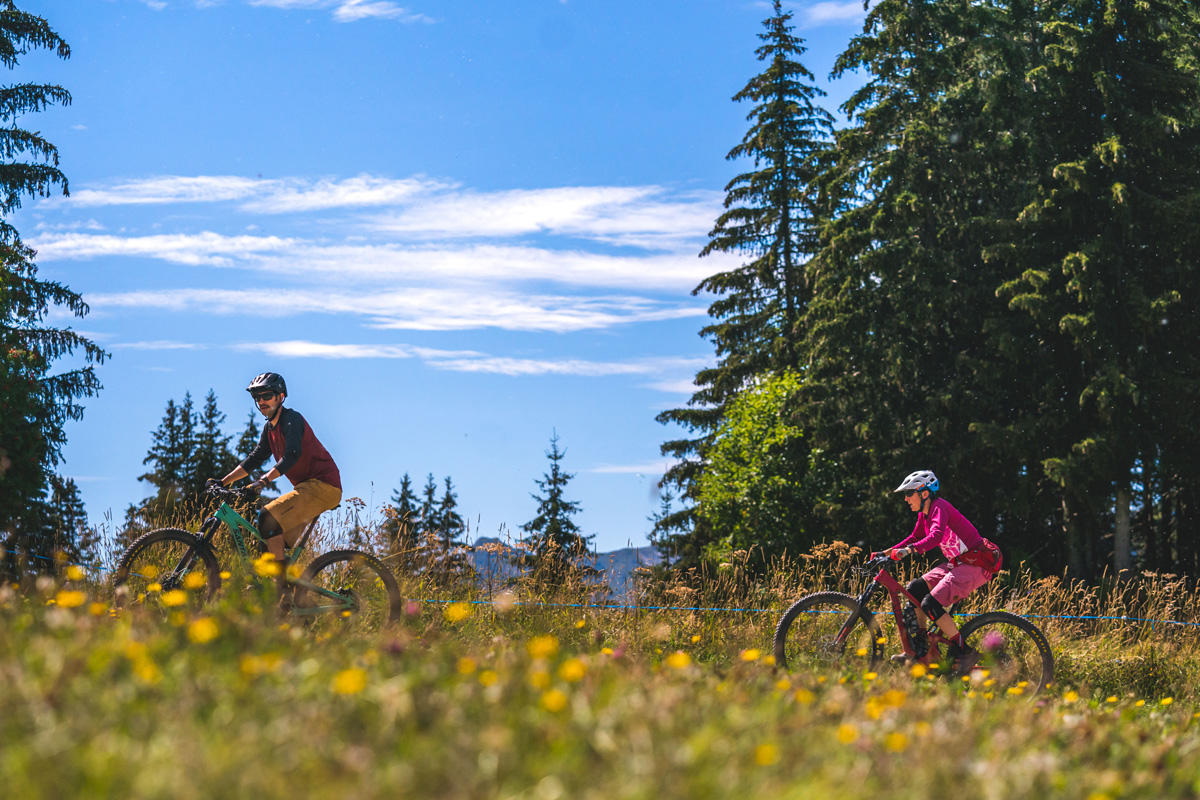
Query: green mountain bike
x: 171, y: 566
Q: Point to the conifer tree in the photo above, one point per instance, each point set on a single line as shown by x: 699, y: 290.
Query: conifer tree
x: 249, y: 437
x: 35, y: 403
x: 772, y: 216
x: 427, y: 521
x: 212, y: 457
x: 401, y: 523
x: 554, y: 536
x: 171, y: 455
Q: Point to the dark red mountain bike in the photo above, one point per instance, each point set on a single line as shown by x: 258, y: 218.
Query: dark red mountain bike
x: 834, y: 630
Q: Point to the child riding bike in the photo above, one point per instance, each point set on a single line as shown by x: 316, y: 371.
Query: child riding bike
x: 972, y: 561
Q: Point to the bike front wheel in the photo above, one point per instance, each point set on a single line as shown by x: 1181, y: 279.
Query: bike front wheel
x: 810, y: 635
x: 348, y: 590
x: 1014, y: 657
x: 164, y: 561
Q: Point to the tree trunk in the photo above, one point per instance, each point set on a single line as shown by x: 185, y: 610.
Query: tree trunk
x: 1122, y: 551
x: 1075, y: 548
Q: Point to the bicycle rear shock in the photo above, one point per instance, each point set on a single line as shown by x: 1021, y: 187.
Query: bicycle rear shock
x: 916, y: 635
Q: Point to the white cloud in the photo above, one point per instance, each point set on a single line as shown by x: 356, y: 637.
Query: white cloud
x: 429, y: 309
x: 165, y: 189
x: 364, y: 190
x: 161, y: 344
x: 635, y: 215
x: 350, y: 10
x: 471, y: 360
x: 832, y: 12
x: 392, y: 263
x: 654, y: 469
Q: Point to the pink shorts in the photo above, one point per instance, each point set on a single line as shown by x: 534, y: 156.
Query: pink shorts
x: 950, y: 584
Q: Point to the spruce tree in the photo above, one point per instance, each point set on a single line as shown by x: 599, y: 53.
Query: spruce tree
x: 771, y: 218
x: 401, y: 520
x: 171, y: 455
x: 211, y: 457
x: 427, y: 521
x: 35, y: 403
x: 555, y: 538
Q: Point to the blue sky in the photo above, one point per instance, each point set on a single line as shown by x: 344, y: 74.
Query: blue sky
x: 455, y: 228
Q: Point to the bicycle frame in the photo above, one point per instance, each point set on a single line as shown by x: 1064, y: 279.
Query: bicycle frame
x: 241, y: 530
x: 897, y: 593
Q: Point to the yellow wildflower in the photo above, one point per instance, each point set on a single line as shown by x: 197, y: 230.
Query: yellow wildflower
x: 1071, y: 697
x: 572, y: 670
x: 457, y: 612
x: 488, y: 677
x: 750, y: 655
x: 350, y: 681
x: 695, y: 638
x: 846, y: 733
x: 97, y: 609
x: 896, y: 742
x: 542, y: 646
x: 194, y: 581
x: 466, y: 666
x: 75, y: 573
x: 203, y: 630
x: 804, y: 696
x: 175, y: 597
x: 554, y: 701
x: 1166, y: 701
x: 918, y: 670
x: 678, y: 660
x: 539, y: 679
x: 70, y: 598
x: 766, y: 754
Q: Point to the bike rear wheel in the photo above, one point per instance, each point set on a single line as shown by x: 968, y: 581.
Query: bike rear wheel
x: 167, y: 560
x: 1015, y: 656
x: 807, y: 635
x: 365, y: 596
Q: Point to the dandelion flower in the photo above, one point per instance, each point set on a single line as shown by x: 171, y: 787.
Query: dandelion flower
x: 542, y: 646
x: 581, y: 624
x: 695, y: 638
x: 750, y: 655
x: 896, y: 742
x: 539, y: 679
x: 1112, y: 698
x: 175, y: 597
x: 870, y: 676
x: 154, y: 588
x: 554, y: 701
x: 226, y: 574
x: 194, y: 581
x: 457, y: 612
x: 783, y: 684
x: 572, y: 670
x: 846, y: 733
x: 766, y: 754
x: 75, y: 573
x: 918, y: 670
x: 202, y: 630
x: 608, y: 651
x: 1071, y: 697
x: 488, y: 678
x: 466, y: 666
x: 678, y: 660
x: 350, y: 681
x: 1140, y: 703
x: 147, y: 671
x: 70, y: 598
x: 97, y: 609
x: 804, y: 696
x: 1166, y: 701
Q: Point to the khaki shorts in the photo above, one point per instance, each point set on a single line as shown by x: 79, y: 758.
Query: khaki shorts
x: 303, y: 504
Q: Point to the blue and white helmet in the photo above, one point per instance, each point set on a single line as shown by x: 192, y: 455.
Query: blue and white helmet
x: 921, y: 479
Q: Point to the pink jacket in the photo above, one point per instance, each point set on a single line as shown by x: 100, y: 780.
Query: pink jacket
x: 946, y: 527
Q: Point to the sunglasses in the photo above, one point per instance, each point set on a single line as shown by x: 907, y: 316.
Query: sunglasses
x: 258, y: 398
x: 911, y: 492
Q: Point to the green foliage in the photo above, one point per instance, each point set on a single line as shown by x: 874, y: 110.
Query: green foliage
x: 771, y: 217
x: 35, y: 402
x: 757, y: 490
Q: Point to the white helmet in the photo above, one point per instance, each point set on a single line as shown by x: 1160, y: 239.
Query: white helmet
x: 921, y: 479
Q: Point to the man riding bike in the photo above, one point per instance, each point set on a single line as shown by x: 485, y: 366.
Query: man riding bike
x: 300, y: 457
x: 972, y: 561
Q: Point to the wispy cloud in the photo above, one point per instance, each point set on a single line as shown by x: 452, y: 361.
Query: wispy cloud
x: 424, y: 208
x: 392, y: 263
x: 472, y: 361
x: 350, y: 10
x: 427, y: 309
x: 832, y: 12
x: 652, y: 469
x: 161, y: 344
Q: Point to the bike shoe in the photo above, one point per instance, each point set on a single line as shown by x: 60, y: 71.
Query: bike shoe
x: 963, y: 660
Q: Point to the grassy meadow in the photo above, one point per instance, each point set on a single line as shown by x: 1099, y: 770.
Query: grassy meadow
x: 506, y: 695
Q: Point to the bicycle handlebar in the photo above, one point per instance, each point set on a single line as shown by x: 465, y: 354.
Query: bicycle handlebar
x: 242, y: 495
x: 877, y: 562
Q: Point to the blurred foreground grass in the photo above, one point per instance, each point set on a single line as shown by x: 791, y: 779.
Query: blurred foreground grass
x: 501, y: 700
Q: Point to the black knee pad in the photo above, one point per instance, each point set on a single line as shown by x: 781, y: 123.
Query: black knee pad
x: 918, y: 588
x: 932, y: 608
x: 268, y: 526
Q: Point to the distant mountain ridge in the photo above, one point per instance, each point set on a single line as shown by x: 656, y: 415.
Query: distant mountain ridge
x: 491, y: 558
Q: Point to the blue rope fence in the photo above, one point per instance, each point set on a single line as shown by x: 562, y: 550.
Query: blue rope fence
x: 620, y: 607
